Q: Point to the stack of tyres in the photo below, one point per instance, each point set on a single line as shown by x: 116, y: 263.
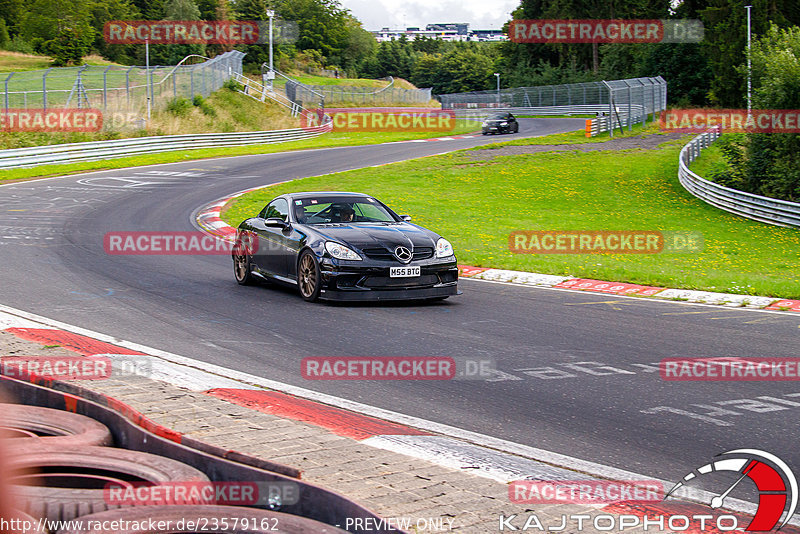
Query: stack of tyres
x: 29, y: 425
x: 59, y: 465
x: 64, y: 485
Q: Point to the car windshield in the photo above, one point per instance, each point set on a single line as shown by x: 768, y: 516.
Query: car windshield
x: 498, y: 116
x: 324, y: 210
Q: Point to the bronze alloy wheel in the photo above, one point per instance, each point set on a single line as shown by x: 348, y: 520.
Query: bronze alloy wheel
x: 308, y: 278
x: 241, y: 263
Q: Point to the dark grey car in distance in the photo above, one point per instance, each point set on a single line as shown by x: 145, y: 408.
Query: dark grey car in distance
x: 500, y: 122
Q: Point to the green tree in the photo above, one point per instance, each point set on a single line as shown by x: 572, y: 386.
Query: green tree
x: 461, y: 69
x: 150, y: 9
x: 725, y: 24
x: 61, y: 28
x: 322, y: 25
x: 774, y: 159
x: 359, y: 44
x: 5, y: 39
x: 12, y: 11
x: 107, y: 10
x: 250, y: 9
x: 172, y: 54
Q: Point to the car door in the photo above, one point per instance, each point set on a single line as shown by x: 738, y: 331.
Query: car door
x: 271, y: 255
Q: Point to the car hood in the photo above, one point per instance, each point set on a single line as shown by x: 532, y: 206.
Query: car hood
x: 390, y: 235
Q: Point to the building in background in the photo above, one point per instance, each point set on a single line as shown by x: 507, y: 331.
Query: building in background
x: 458, y: 31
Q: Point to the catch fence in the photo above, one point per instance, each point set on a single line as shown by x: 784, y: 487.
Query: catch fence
x: 115, y: 88
x: 622, y: 103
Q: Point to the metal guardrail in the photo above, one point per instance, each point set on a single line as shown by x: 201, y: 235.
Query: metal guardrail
x: 618, y: 118
x: 259, y: 92
x: 763, y: 209
x: 92, y: 151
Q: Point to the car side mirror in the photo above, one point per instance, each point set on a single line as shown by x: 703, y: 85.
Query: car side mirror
x: 275, y: 222
x: 406, y: 218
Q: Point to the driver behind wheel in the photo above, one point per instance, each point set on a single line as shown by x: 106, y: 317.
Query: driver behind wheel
x: 301, y: 213
x: 342, y: 213
x: 348, y: 214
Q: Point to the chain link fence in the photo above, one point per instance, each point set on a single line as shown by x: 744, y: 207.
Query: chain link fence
x: 116, y: 88
x: 332, y: 95
x: 622, y: 102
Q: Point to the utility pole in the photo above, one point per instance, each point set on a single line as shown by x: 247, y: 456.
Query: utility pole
x: 147, y: 73
x: 748, y: 8
x: 497, y: 74
x: 271, y: 73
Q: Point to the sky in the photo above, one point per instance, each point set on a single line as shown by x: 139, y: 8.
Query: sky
x: 397, y: 14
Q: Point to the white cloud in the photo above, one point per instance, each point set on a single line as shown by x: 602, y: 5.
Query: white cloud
x: 480, y: 14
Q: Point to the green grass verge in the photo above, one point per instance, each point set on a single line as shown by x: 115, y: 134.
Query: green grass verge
x: 710, y: 161
x: 476, y: 204
x: 325, y: 141
x: 579, y: 136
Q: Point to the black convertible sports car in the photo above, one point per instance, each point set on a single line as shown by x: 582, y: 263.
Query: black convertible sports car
x: 344, y: 246
x: 500, y: 122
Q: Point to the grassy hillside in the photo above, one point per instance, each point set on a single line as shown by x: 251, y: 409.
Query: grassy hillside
x: 224, y: 111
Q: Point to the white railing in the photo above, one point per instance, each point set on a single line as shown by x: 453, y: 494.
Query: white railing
x: 119, y: 148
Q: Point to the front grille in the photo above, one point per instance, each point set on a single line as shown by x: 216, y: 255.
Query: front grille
x: 379, y: 282
x: 379, y: 253
x: 423, y: 253
x: 382, y: 253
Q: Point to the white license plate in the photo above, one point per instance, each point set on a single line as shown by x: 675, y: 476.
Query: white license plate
x: 401, y: 272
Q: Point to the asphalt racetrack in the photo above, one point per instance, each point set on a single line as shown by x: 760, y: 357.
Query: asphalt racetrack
x: 578, y: 371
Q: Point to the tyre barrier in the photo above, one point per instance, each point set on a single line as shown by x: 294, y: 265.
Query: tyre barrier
x: 131, y: 430
x: 25, y: 424
x: 63, y: 485
x: 199, y: 519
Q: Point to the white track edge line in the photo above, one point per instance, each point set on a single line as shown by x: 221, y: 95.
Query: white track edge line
x: 501, y: 445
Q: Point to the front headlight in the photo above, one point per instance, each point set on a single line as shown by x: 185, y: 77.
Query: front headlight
x: 504, y: 123
x: 340, y: 252
x: 443, y: 248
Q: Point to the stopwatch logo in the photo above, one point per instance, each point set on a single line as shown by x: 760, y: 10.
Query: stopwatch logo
x: 776, y: 484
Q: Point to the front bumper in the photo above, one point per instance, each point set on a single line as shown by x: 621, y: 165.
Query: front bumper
x: 371, y: 281
x: 496, y: 128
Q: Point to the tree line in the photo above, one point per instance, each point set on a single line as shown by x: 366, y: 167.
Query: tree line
x: 706, y: 73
